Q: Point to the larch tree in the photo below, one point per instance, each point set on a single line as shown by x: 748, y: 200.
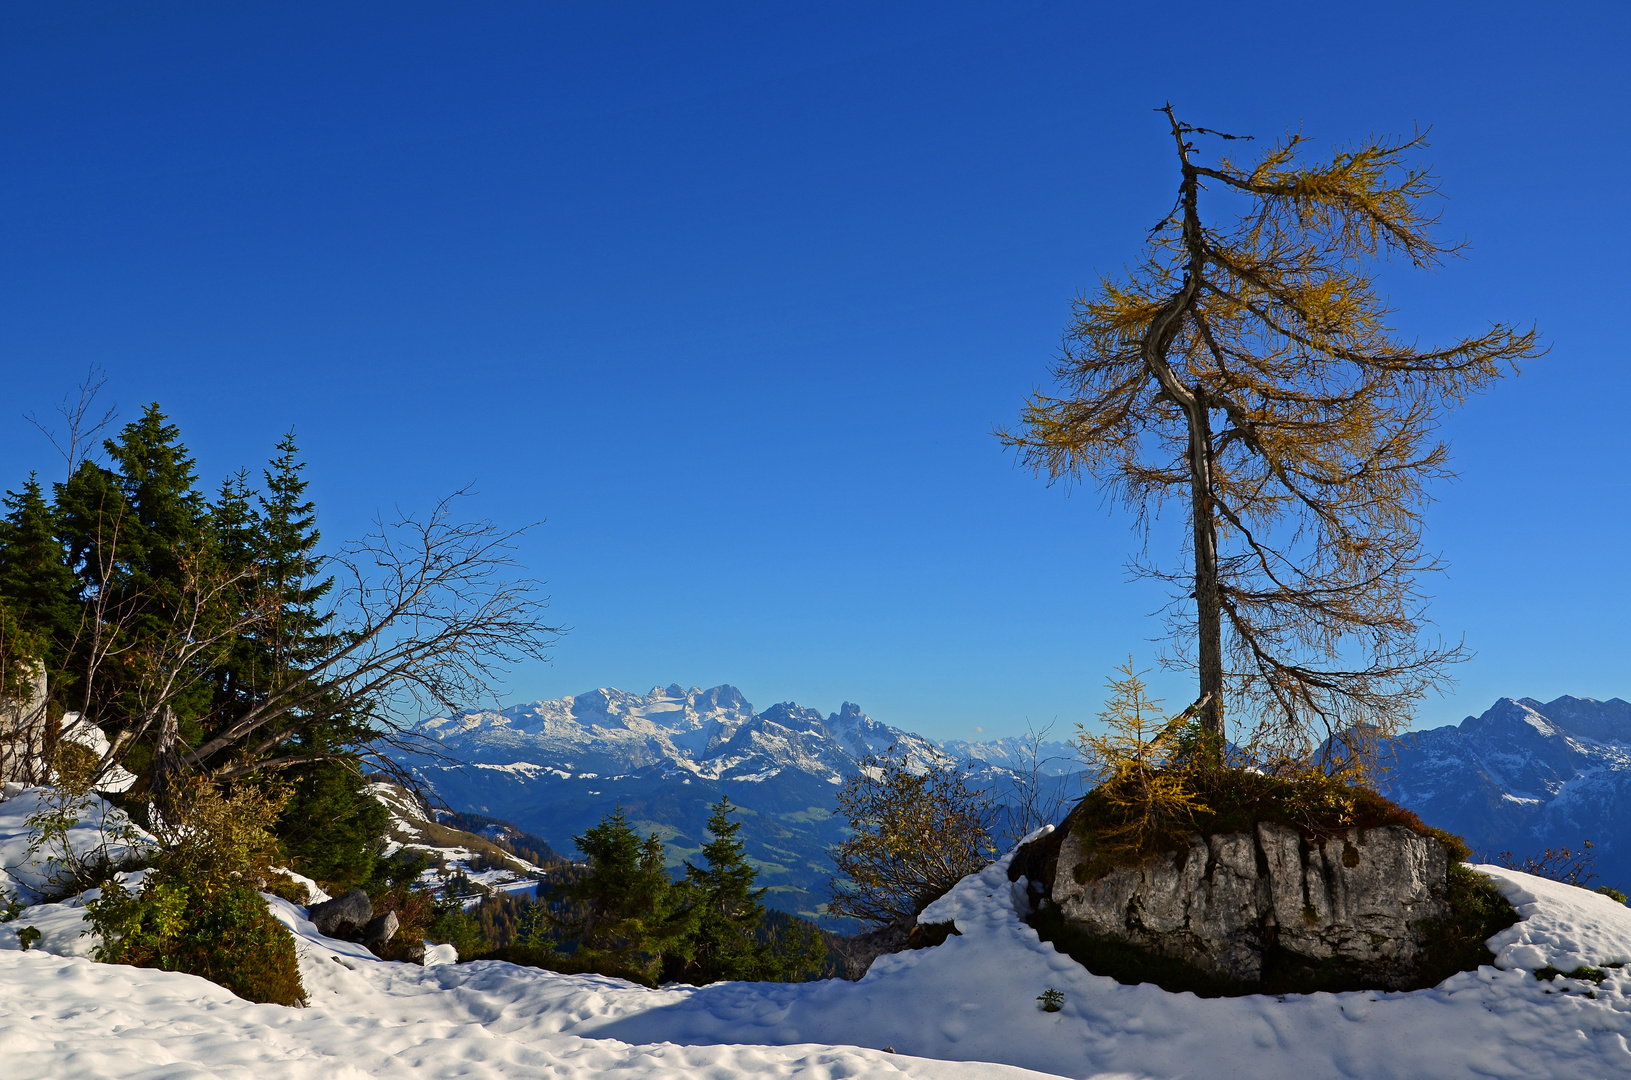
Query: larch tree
x: 1249, y: 371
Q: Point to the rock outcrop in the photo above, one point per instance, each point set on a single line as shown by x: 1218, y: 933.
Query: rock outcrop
x: 1234, y: 906
x: 380, y: 930
x: 346, y: 916
x: 23, y: 731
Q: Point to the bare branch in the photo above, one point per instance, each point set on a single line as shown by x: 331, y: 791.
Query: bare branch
x: 82, y: 425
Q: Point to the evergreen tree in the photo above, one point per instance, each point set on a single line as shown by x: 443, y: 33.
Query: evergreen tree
x: 292, y: 567
x: 625, y: 914
x: 236, y: 529
x: 730, y: 940
x: 342, y: 849
x: 167, y: 513
x: 332, y: 828
x: 138, y: 537
x: 36, y: 585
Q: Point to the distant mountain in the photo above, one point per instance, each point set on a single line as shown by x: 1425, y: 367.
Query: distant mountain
x: 1525, y: 776
x: 554, y: 768
x: 1521, y: 777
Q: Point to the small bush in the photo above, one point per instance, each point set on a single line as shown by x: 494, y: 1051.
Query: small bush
x: 1478, y: 912
x: 422, y: 916
x: 198, y: 910
x: 1051, y: 1000
x: 914, y: 836
x: 220, y: 931
x: 1563, y: 864
x: 1590, y: 974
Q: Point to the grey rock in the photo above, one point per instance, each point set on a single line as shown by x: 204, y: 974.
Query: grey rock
x: 346, y: 916
x: 380, y: 930
x: 23, y: 731
x: 1363, y: 900
x: 860, y: 950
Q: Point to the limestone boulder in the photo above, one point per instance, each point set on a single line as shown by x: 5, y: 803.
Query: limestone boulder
x: 1363, y: 901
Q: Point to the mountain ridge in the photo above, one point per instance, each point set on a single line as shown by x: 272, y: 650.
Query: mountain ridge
x: 555, y: 767
x: 1522, y: 776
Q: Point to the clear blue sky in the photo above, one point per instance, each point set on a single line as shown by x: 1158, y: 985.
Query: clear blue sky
x: 733, y: 295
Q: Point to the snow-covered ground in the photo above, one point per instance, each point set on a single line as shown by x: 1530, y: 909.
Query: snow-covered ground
x: 100, y: 831
x: 966, y: 1008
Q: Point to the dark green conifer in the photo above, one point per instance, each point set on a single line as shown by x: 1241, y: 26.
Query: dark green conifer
x: 331, y: 827
x: 237, y: 530
x: 625, y: 914
x: 289, y: 559
x: 36, y: 585
x: 138, y: 537
x: 165, y: 523
x: 731, y: 940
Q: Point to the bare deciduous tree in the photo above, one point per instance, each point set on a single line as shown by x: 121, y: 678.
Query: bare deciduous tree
x: 428, y: 615
x: 83, y: 425
x: 1039, y: 795
x: 1251, y: 373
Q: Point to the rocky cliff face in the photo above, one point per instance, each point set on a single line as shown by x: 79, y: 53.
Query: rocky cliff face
x: 1362, y: 902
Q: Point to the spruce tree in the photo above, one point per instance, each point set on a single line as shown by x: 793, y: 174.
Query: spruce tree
x: 728, y: 909
x: 138, y: 537
x: 167, y: 512
x: 331, y: 827
x: 288, y: 553
x: 236, y: 529
x: 731, y: 940
x: 36, y: 585
x: 625, y: 914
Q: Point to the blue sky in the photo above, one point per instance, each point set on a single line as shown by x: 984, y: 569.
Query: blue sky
x: 733, y: 295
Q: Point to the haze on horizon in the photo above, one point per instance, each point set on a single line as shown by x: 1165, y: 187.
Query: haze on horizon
x: 730, y: 297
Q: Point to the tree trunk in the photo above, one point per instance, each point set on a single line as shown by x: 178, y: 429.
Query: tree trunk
x: 1209, y: 616
x: 166, y: 761
x: 1208, y: 613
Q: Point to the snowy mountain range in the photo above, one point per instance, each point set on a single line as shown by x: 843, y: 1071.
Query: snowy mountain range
x: 1521, y: 777
x: 1525, y: 776
x: 556, y: 767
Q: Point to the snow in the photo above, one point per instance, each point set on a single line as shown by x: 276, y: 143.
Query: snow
x: 88, y: 735
x: 964, y: 1009
x: 29, y: 875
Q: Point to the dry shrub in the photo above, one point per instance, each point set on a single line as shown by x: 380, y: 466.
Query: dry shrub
x: 198, y: 910
x: 915, y: 835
